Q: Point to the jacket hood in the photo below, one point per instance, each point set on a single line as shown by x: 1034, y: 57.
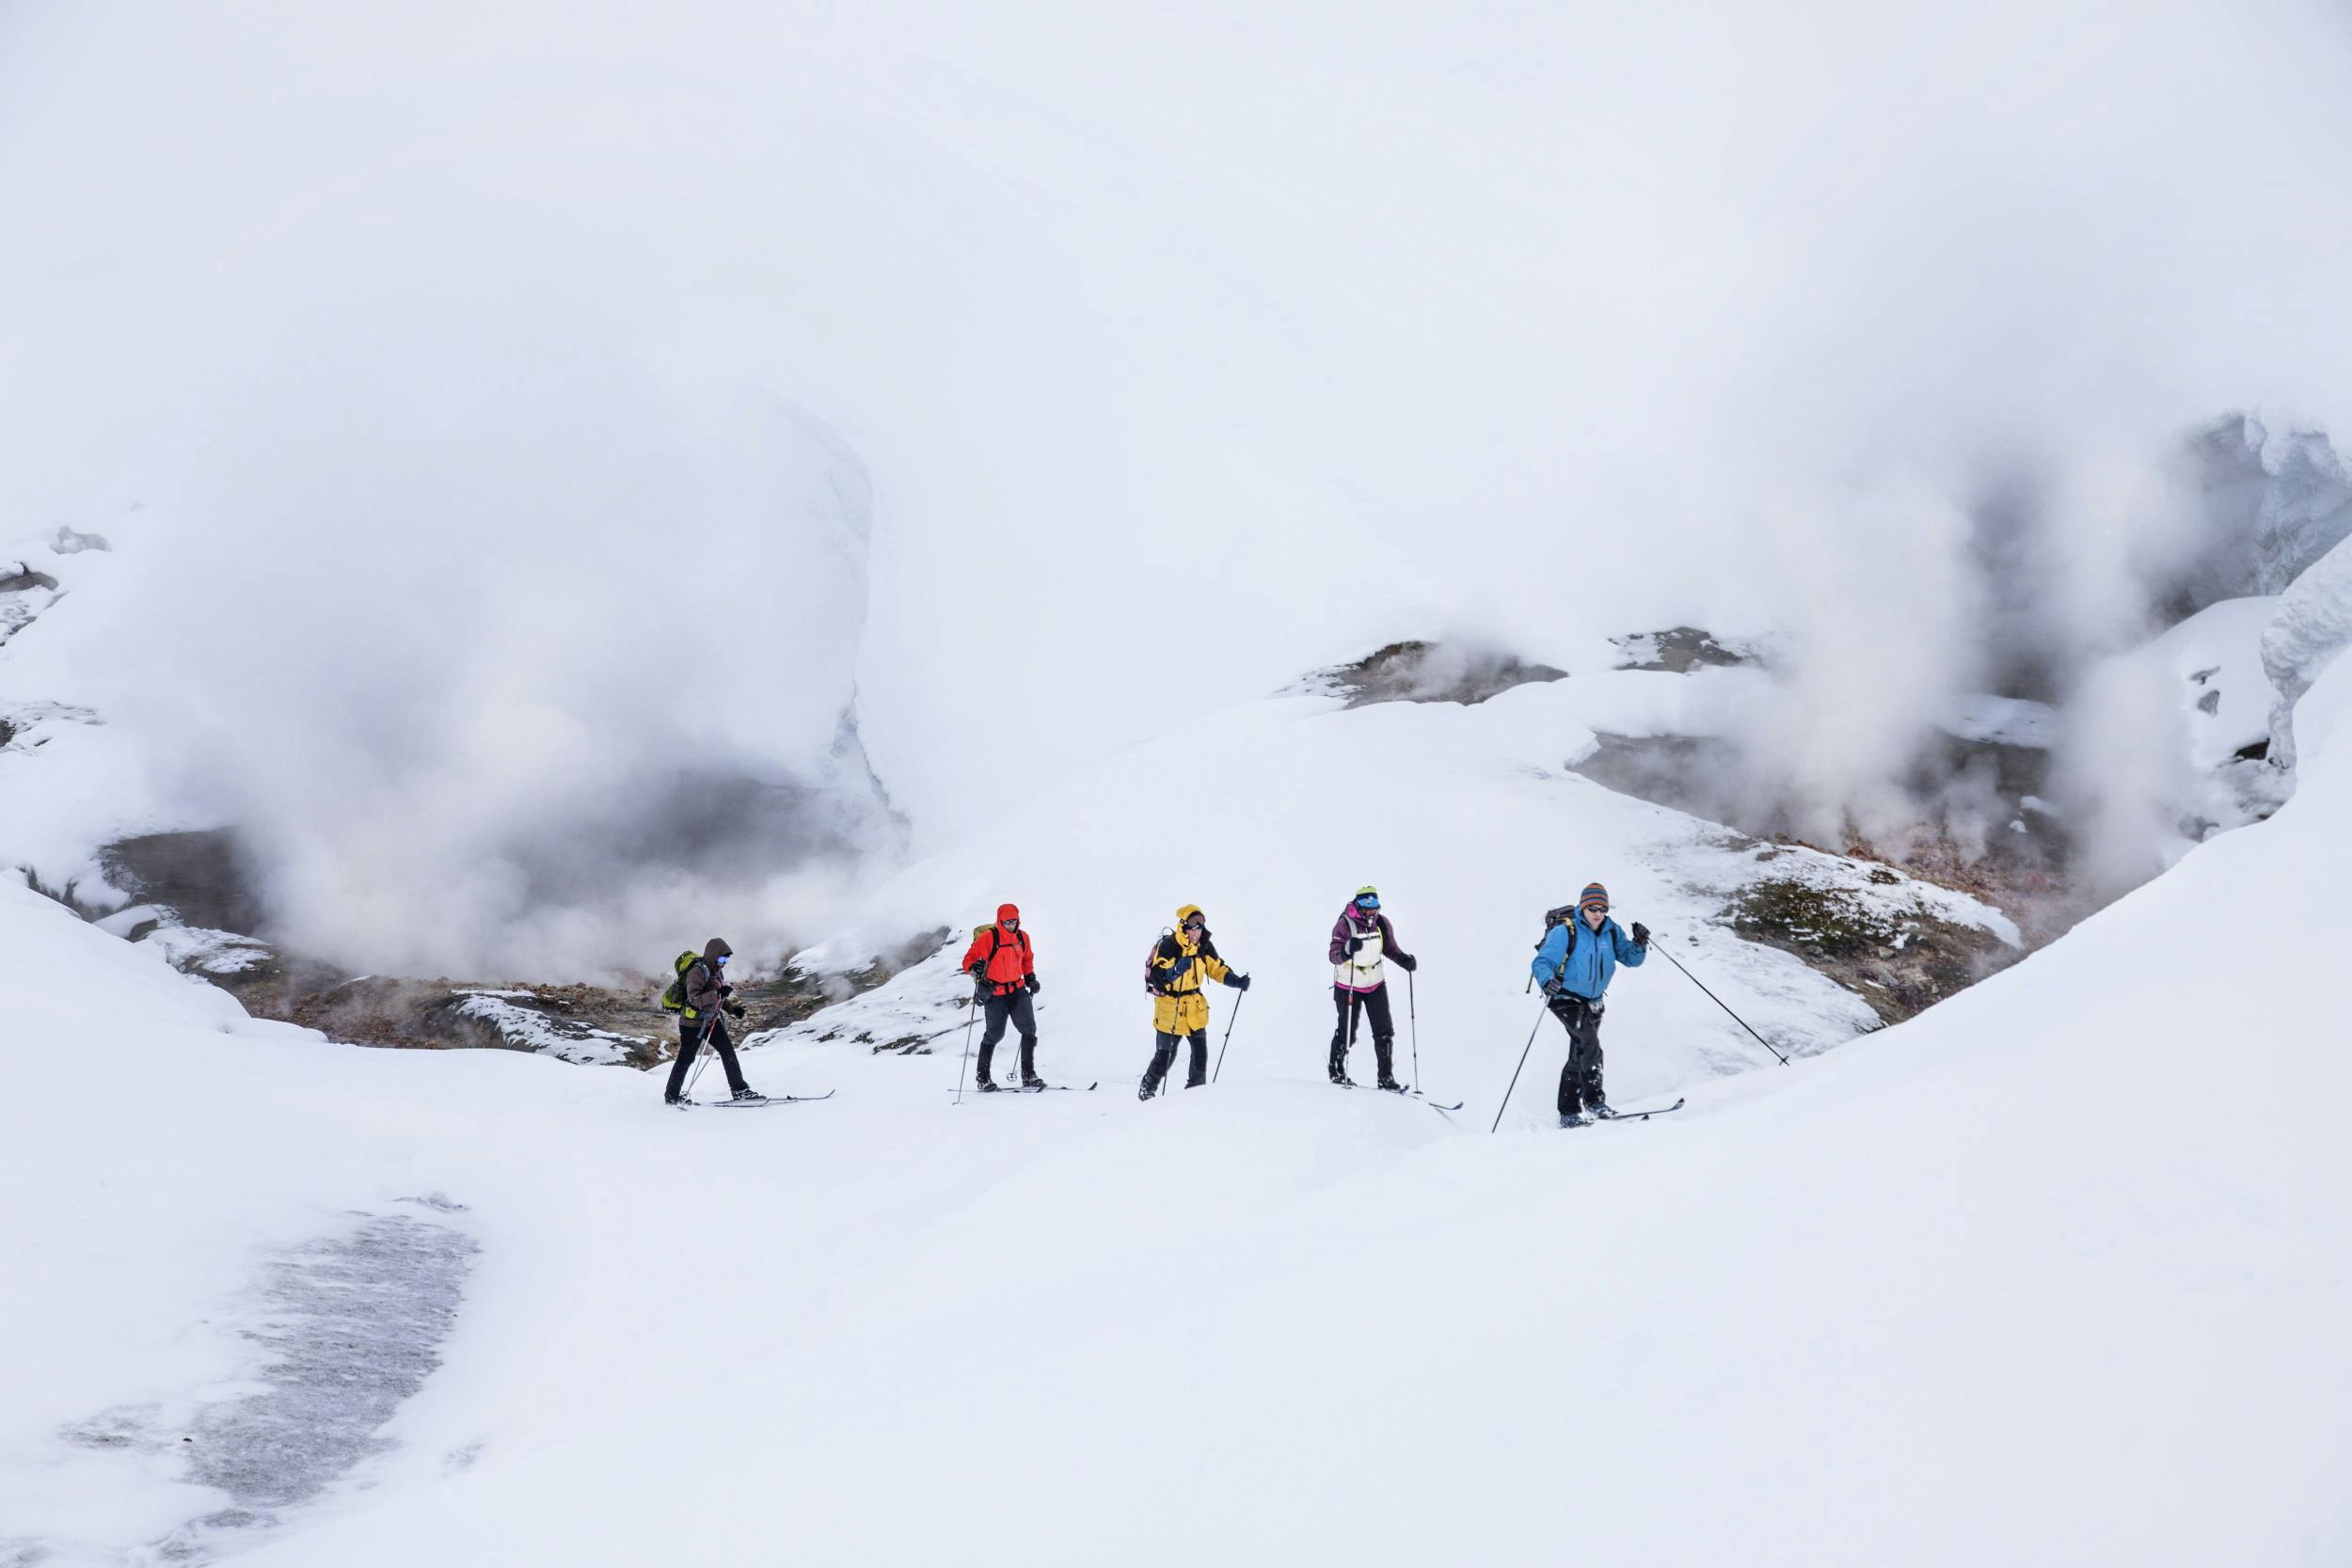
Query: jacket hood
x: 717, y: 949
x: 1186, y: 913
x: 1008, y: 911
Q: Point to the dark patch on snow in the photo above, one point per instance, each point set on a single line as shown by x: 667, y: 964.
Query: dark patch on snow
x: 351, y: 1327
x: 2210, y: 703
x: 8, y: 732
x: 1418, y: 672
x: 1678, y: 650
x: 2258, y: 751
x: 19, y: 578
x: 355, y: 1328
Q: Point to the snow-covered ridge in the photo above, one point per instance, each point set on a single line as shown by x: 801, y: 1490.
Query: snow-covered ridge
x: 1913, y: 1240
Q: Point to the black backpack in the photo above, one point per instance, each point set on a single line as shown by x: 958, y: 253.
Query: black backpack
x: 1560, y: 917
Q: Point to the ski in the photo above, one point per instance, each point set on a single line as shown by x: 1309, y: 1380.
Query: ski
x: 1041, y: 1088
x: 770, y: 1100
x: 1639, y: 1115
x: 1401, y: 1094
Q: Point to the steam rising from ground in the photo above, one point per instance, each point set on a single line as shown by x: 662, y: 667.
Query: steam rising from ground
x: 510, y: 389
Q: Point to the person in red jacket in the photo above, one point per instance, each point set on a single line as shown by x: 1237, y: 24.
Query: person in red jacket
x: 1002, y: 967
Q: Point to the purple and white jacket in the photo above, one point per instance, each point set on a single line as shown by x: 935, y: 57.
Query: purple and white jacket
x: 1362, y: 971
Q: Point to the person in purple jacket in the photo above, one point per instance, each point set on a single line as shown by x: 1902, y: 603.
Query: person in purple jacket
x: 1361, y: 939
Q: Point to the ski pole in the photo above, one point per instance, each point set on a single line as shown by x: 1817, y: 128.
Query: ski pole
x: 972, y: 1013
x: 1721, y: 1003
x: 702, y: 1043
x: 1231, y: 1018
x: 1517, y: 1071
x: 1412, y: 1016
x: 1355, y: 1011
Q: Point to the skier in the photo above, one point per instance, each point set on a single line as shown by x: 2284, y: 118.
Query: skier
x: 707, y: 995
x: 1180, y: 964
x: 1360, y: 939
x: 1004, y: 976
x: 1573, y: 962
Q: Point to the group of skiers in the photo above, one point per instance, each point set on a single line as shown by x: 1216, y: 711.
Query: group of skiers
x: 1579, y: 954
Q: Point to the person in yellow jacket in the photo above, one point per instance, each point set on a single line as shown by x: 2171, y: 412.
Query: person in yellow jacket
x: 1183, y: 963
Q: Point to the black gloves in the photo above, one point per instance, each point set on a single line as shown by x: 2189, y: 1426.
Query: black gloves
x: 1406, y: 962
x: 1239, y: 982
x: 1183, y: 963
x: 735, y: 1009
x: 1355, y: 945
x: 1640, y: 935
x: 1551, y: 989
x: 1031, y: 982
x: 726, y: 990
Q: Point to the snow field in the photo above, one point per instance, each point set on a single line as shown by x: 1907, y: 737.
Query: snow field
x: 2053, y: 1274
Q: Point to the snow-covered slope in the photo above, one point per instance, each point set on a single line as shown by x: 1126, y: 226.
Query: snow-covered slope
x: 1982, y: 1287
x: 1470, y: 823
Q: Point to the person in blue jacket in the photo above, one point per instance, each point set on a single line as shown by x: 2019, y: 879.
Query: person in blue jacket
x: 1574, y: 963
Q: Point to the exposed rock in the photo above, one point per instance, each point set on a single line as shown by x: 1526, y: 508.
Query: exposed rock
x: 1900, y: 960
x: 202, y: 877
x: 1680, y: 650
x: 1417, y: 671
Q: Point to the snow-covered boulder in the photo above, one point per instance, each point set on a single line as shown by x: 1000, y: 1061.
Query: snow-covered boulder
x: 2311, y: 626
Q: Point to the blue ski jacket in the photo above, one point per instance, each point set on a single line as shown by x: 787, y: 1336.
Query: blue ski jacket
x: 1594, y: 959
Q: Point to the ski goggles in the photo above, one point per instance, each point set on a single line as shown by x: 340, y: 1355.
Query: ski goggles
x: 1197, y: 923
x: 1367, y: 900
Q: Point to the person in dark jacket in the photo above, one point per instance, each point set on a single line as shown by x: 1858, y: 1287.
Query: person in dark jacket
x: 709, y: 1001
x: 1574, y: 963
x: 1002, y: 967
x: 1361, y: 940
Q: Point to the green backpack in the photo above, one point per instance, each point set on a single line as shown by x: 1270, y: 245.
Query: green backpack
x: 674, y: 1000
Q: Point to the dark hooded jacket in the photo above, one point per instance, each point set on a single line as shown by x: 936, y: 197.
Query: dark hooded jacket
x: 703, y: 978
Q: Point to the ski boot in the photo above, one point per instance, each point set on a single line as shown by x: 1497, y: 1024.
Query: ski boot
x: 1146, y: 1089
x: 1602, y: 1110
x: 1032, y: 1083
x: 1388, y: 1082
x: 1569, y: 1119
x: 748, y: 1096
x: 987, y: 1085
x: 679, y: 1101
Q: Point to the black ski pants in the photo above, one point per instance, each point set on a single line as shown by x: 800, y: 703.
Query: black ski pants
x: 1579, y: 1079
x: 1374, y: 1006
x: 1016, y: 1011
x: 689, y: 1034
x: 1164, y: 1058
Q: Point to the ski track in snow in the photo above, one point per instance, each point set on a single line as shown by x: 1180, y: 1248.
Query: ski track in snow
x: 348, y: 1326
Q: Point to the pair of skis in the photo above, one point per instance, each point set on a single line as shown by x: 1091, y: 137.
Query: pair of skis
x: 1039, y: 1088
x: 754, y: 1104
x: 1630, y: 1116
x: 1406, y: 1094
